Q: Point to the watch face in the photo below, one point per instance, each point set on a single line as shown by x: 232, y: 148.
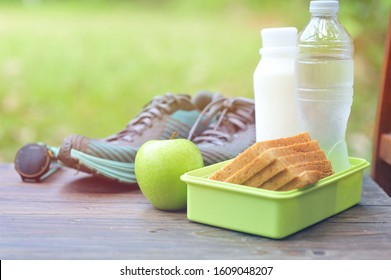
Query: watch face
x: 32, y: 161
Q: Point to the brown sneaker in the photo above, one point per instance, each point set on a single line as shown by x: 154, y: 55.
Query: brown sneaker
x: 113, y: 156
x: 231, y: 133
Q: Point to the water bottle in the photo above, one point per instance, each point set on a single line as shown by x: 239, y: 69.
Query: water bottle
x: 324, y: 81
x: 276, y: 113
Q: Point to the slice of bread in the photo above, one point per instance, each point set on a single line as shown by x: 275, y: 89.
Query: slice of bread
x: 270, y: 156
x: 294, y: 176
x: 258, y: 148
x: 283, y: 163
x: 305, y: 178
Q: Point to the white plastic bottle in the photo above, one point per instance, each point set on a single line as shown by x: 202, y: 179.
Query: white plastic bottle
x: 325, y: 71
x: 274, y: 85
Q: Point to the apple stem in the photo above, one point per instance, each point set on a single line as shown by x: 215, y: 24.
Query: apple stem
x: 174, y: 135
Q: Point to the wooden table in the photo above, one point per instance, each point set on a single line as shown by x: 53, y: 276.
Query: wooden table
x: 75, y: 216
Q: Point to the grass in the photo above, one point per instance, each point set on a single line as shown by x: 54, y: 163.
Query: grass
x: 78, y: 67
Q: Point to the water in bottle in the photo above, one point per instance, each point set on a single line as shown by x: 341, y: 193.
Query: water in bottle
x: 324, y: 81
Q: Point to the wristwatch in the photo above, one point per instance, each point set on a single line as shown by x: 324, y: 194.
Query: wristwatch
x: 35, y: 162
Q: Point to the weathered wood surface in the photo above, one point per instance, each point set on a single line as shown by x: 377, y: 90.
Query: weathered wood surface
x: 75, y: 216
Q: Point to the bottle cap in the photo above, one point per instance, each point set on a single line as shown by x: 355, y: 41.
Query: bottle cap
x: 278, y: 37
x: 327, y: 7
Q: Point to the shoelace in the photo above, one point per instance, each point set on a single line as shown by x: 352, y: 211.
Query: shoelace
x: 233, y: 112
x: 158, y: 106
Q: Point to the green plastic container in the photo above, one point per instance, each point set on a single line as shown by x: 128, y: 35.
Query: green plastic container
x: 270, y: 213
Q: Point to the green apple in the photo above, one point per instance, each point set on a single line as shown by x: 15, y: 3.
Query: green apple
x: 158, y: 167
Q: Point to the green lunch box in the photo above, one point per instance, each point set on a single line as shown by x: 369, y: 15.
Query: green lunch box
x: 270, y: 213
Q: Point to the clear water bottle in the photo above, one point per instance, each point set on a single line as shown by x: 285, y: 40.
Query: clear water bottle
x: 324, y: 80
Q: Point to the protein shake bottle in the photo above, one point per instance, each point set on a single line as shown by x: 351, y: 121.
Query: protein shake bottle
x: 274, y: 85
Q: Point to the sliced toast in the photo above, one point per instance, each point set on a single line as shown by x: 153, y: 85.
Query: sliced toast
x: 253, y: 151
x: 294, y: 176
x: 305, y: 178
x: 271, y: 155
x: 283, y: 163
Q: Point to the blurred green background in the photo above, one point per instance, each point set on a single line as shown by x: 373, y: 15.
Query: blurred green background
x: 88, y: 67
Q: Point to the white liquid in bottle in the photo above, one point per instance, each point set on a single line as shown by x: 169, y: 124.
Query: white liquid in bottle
x: 274, y: 85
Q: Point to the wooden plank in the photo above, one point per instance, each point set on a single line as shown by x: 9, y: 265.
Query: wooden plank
x: 97, y: 239
x: 385, y: 147
x: 68, y: 185
x: 380, y: 170
x: 372, y: 194
x: 76, y: 216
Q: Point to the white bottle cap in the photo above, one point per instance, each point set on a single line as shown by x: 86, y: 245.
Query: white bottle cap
x: 327, y: 7
x: 279, y: 37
